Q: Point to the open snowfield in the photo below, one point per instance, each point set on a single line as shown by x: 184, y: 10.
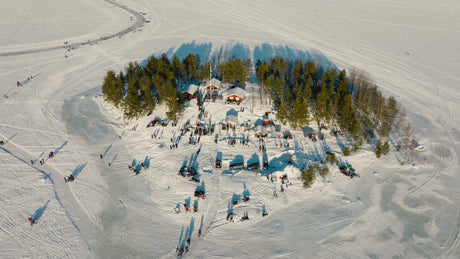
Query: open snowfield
x: 410, y: 48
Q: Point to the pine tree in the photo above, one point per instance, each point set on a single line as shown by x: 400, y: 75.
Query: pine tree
x: 146, y: 85
x: 151, y: 66
x: 235, y: 72
x: 175, y: 67
x: 262, y: 75
x: 278, y: 67
x: 108, y: 86
x: 189, y: 68
x: 299, y: 112
x: 308, y: 177
x: 165, y: 70
x: 282, y: 113
x: 379, y: 148
x: 171, y: 101
x: 297, y: 72
x: 132, y: 104
x: 386, y: 148
x: 320, y: 105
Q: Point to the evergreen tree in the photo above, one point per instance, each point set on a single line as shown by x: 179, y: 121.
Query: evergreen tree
x: 388, y: 116
x: 170, y: 98
x: 386, y: 148
x: 165, y: 70
x: 108, y: 86
x: 308, y: 176
x: 165, y: 59
x: 146, y: 85
x: 112, y: 89
x: 175, y: 67
x: 151, y: 66
x: 282, y: 113
x: 132, y: 104
x: 235, y: 72
x: 275, y: 86
x: 262, y: 75
x: 299, y: 112
x: 320, y: 105
x: 297, y: 72
x: 379, y: 148
x: 189, y: 68
x: 279, y: 67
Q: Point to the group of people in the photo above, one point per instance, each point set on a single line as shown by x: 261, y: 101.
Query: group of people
x: 136, y: 172
x: 284, y: 144
x: 175, y: 142
x: 42, y: 161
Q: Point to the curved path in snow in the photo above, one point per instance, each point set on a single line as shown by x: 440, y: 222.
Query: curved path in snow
x: 139, y: 22
x: 64, y: 195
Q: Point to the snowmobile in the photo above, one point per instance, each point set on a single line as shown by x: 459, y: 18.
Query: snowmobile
x: 348, y: 171
x: 200, y: 194
x: 69, y: 178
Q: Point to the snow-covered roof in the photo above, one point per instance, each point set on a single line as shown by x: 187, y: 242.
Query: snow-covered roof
x: 236, y: 91
x: 215, y: 82
x: 191, y: 89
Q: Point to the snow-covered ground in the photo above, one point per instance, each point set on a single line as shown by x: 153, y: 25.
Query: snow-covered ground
x: 410, y: 48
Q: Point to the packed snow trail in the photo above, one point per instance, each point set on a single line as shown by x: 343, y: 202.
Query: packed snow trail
x: 80, y: 220
x: 139, y: 22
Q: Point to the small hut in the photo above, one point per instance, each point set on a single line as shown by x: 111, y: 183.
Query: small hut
x: 213, y: 85
x: 236, y: 95
x: 191, y: 91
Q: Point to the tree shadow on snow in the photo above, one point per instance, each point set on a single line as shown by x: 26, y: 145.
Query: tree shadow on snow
x: 262, y: 52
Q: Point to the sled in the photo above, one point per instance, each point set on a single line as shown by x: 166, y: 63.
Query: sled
x: 68, y: 179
